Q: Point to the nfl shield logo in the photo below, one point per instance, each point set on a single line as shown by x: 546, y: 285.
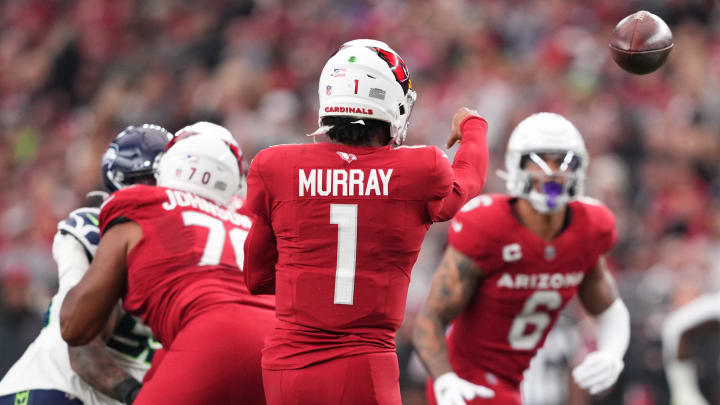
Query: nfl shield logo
x: 328, y: 90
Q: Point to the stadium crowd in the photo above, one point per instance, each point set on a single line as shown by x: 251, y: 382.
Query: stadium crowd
x: 73, y: 73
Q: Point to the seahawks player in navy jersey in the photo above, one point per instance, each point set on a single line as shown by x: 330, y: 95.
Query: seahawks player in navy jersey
x: 108, y: 370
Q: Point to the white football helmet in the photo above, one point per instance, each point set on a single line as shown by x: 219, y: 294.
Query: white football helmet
x: 367, y: 79
x: 370, y: 43
x: 205, y: 127
x: 201, y: 163
x: 536, y: 135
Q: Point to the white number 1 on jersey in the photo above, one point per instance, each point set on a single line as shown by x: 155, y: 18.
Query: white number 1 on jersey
x: 345, y: 217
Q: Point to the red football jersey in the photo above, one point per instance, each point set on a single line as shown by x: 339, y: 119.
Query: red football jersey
x: 526, y: 282
x: 187, y: 259
x: 348, y: 223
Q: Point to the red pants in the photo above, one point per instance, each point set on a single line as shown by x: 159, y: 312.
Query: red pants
x: 505, y: 394
x: 214, y: 359
x: 366, y: 379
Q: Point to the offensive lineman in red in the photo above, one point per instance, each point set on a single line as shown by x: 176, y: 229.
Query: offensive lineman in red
x: 174, y: 254
x: 512, y: 264
x: 338, y: 226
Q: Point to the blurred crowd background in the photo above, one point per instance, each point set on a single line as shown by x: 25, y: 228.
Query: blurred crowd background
x: 74, y: 73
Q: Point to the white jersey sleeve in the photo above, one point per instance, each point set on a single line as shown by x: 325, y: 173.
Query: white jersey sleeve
x: 46, y: 363
x: 72, y: 263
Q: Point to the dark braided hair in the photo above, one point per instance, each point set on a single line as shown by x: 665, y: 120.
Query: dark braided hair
x: 344, y: 131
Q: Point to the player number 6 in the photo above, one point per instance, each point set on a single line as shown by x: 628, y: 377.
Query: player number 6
x: 531, y: 316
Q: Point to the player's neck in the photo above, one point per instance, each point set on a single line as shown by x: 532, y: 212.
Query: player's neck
x: 545, y: 226
x: 372, y: 141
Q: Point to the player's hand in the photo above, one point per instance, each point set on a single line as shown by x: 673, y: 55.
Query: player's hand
x: 455, y: 133
x: 453, y: 390
x: 598, y: 372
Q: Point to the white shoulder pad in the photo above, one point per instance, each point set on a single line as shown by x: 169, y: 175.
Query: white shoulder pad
x: 83, y: 225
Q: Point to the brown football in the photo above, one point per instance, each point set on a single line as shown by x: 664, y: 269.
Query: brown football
x: 641, y: 42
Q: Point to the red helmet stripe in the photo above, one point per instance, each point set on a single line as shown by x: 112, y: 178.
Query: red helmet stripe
x: 397, y: 66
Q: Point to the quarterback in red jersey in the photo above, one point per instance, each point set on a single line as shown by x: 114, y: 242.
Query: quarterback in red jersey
x: 174, y: 254
x: 512, y: 264
x: 338, y: 226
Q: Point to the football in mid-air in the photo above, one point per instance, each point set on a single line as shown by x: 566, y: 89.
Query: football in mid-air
x: 641, y: 42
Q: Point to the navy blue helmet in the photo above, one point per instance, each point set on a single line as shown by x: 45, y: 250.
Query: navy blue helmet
x: 131, y: 155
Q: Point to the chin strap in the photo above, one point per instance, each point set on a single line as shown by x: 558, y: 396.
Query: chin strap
x: 322, y: 130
